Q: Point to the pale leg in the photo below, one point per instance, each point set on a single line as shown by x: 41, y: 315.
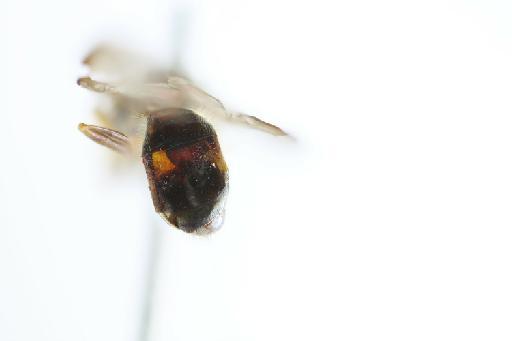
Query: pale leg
x: 109, y: 138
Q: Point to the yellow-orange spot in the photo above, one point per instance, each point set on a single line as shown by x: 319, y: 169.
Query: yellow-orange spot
x: 161, y: 163
x: 221, y: 164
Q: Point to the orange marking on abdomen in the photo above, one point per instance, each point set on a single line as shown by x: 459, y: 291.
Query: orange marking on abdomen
x: 161, y: 163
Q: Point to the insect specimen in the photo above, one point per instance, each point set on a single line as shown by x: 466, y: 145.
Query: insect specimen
x: 186, y: 172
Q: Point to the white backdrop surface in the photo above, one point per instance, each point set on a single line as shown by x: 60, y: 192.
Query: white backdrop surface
x: 388, y: 219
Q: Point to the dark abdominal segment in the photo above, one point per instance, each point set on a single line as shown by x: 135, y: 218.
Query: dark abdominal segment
x: 186, y: 171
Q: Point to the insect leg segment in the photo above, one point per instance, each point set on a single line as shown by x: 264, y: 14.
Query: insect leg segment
x: 109, y: 138
x: 148, y: 96
x: 205, y: 104
x: 93, y: 85
x: 255, y: 122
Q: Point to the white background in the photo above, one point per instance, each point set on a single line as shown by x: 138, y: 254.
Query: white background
x: 388, y: 219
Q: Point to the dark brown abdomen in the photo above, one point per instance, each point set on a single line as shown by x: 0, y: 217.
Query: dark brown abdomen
x: 186, y: 171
